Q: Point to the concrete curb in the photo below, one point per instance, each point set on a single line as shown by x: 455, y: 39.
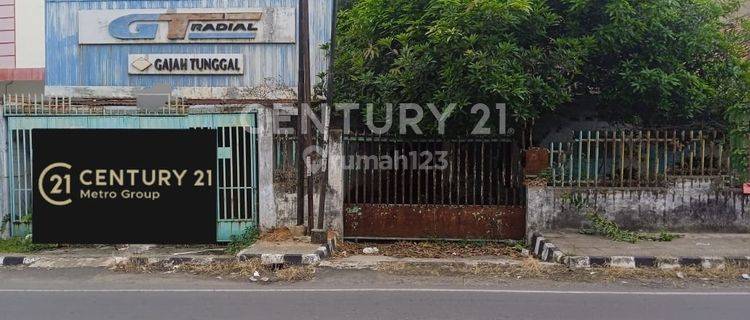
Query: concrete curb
x: 296, y: 259
x: 544, y: 250
x: 103, y: 262
x: 34, y: 261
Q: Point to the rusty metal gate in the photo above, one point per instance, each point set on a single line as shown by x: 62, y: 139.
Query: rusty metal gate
x: 433, y: 188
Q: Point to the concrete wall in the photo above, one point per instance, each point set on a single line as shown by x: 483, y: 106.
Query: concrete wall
x: 286, y: 198
x: 688, y: 205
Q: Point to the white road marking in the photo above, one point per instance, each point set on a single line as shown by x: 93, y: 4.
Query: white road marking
x: 377, y: 290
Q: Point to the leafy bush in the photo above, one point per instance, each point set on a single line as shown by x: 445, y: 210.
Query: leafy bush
x: 22, y: 245
x: 456, y: 51
x: 650, y: 62
x: 602, y: 226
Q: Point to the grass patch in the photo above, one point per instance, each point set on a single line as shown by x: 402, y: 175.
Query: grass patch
x: 22, y: 245
x: 431, y: 249
x: 237, y: 243
x: 602, y: 226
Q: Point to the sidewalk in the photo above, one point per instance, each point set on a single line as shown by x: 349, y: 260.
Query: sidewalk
x: 109, y: 256
x: 692, y: 249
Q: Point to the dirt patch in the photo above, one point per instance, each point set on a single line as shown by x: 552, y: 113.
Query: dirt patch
x: 251, y: 270
x: 427, y: 249
x: 277, y: 235
x: 533, y: 269
x: 294, y: 274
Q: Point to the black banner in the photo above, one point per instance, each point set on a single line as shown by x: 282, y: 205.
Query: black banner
x: 124, y: 186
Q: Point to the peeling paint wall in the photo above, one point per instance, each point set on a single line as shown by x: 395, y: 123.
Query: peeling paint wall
x: 101, y: 70
x: 285, y: 196
x: 688, y: 205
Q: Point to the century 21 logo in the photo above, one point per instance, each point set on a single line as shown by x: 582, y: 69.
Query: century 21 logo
x: 60, y: 184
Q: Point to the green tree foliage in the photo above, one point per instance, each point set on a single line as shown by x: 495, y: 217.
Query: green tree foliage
x: 659, y: 60
x: 642, y: 62
x: 456, y: 51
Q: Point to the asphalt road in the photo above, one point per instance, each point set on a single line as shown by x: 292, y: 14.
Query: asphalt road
x: 97, y: 294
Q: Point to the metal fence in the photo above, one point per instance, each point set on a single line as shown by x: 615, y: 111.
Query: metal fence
x: 637, y: 158
x: 237, y: 162
x: 41, y: 105
x: 284, y: 152
x: 439, y: 171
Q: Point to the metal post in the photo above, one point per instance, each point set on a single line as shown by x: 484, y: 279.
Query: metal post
x: 303, y: 99
x: 327, y: 114
x: 4, y: 193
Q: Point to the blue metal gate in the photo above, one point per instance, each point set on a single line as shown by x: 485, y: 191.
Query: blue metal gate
x: 236, y: 164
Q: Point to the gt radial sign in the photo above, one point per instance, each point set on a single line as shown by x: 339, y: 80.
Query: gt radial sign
x: 267, y: 25
x: 124, y: 186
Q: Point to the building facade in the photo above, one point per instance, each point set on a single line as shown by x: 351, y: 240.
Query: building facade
x: 21, y: 46
x: 219, y: 64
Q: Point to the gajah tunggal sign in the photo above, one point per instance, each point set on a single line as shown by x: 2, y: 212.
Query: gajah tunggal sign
x: 264, y: 25
x: 167, y: 64
x: 124, y: 186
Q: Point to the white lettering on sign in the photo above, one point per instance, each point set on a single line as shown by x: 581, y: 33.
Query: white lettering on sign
x: 265, y: 25
x: 169, y: 64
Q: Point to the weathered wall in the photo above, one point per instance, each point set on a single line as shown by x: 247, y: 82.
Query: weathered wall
x: 85, y: 70
x: 285, y: 196
x: 688, y: 205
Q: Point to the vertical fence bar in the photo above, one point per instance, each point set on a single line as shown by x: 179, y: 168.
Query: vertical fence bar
x: 245, y: 183
x: 508, y: 168
x: 553, y: 165
x: 561, y: 157
x: 721, y: 155
x: 640, y: 158
x: 666, y: 155
x: 580, y: 155
x: 675, y: 141
x: 656, y: 157
x: 596, y: 160
x: 380, y: 170
x: 648, y: 157
x: 482, y: 173
x: 631, y: 151
x: 588, y: 158
x: 11, y: 175
x: 435, y: 147
x: 692, y: 151
x: 622, y: 158
x: 25, y: 173
x: 370, y: 152
x: 703, y: 152
x: 474, y: 173
x: 712, y: 154
x: 417, y: 165
x: 570, y: 182
x: 613, y: 177
x: 452, y: 163
x: 355, y: 166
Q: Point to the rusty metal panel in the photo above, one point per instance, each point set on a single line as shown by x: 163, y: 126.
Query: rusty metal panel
x: 435, y: 222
